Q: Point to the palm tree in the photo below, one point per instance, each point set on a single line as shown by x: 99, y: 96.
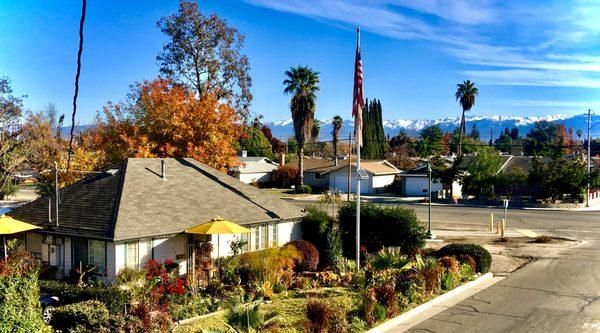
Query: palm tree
x: 302, y: 82
x: 466, y: 93
x: 337, y: 126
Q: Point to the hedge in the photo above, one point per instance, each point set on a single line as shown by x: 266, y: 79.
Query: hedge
x: 381, y: 227
x: 482, y: 257
x: 113, y: 298
x: 88, y: 315
x: 319, y: 229
x: 20, y: 309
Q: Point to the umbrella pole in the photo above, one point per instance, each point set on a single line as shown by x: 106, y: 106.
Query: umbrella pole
x: 5, y: 255
x: 219, y: 254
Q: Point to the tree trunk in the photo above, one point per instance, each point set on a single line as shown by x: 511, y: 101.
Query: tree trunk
x: 460, y: 134
x: 301, y: 166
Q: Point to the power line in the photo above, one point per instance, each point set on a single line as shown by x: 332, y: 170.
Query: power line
x: 79, y: 51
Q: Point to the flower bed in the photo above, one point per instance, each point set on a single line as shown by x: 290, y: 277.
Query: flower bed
x: 390, y: 284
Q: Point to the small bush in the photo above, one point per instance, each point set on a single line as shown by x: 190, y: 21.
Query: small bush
x: 467, y: 259
x: 448, y: 280
x: 284, y: 176
x: 466, y: 272
x: 318, y: 314
x: 113, y: 298
x: 304, y: 189
x: 386, y: 295
x: 91, y: 315
x: 309, y: 255
x: 190, y: 307
x: 429, y: 271
x: 482, y: 257
x: 381, y: 227
x: 450, y: 264
x: 273, y: 265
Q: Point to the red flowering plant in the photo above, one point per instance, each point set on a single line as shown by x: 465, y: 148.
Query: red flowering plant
x: 163, y: 284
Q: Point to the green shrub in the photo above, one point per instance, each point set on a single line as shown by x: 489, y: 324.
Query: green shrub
x: 113, y: 298
x: 381, y: 227
x: 319, y: 229
x: 190, y: 307
x: 447, y: 281
x: 389, y: 258
x: 309, y: 255
x: 482, y: 257
x: 466, y: 272
x: 304, y: 189
x: 20, y: 309
x: 89, y: 315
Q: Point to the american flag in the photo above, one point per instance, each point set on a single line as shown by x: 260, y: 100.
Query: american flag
x: 358, y: 102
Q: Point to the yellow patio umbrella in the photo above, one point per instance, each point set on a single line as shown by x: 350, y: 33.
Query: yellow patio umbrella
x: 217, y: 227
x: 9, y: 226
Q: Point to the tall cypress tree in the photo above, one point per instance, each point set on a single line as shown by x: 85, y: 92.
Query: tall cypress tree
x: 373, y: 134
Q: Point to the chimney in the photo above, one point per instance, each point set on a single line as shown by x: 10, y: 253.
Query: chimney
x: 281, y: 158
x: 163, y: 170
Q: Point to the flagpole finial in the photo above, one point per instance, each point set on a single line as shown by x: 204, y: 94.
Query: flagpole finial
x: 357, y: 29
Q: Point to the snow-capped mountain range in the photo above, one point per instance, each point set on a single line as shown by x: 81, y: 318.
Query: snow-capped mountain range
x: 487, y: 125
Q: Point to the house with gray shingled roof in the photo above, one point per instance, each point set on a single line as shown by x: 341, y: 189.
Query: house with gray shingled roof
x: 124, y: 216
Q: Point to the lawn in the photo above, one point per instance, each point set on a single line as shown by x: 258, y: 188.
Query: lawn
x: 291, y: 309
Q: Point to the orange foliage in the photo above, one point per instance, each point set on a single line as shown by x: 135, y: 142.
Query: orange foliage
x: 167, y: 120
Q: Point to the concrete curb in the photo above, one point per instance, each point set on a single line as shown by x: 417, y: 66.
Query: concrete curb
x: 428, y: 305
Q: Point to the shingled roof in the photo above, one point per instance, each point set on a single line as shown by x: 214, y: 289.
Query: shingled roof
x: 136, y: 202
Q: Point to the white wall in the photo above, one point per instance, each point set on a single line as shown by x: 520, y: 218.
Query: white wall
x: 289, y: 231
x: 119, y: 256
x: 171, y: 248
x: 380, y: 182
x: 259, y: 177
x: 413, y: 186
x: 310, y: 179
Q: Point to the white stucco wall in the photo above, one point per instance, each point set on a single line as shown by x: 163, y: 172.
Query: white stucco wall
x: 259, y: 177
x: 310, y: 179
x: 119, y: 262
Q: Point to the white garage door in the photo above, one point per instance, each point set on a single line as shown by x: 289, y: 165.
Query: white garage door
x: 340, y: 183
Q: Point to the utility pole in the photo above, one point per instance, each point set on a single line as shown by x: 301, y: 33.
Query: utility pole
x: 589, y: 161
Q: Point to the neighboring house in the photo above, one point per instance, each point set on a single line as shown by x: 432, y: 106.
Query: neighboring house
x: 381, y: 174
x: 415, y: 183
x: 324, y: 173
x: 125, y: 216
x: 254, y: 170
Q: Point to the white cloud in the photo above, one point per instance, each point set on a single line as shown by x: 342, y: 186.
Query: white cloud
x: 519, y: 43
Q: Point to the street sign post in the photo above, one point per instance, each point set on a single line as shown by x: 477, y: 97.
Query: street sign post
x: 505, y: 208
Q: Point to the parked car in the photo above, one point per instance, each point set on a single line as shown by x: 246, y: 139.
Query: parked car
x: 48, y: 303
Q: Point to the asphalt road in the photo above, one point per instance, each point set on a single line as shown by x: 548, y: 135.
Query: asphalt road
x: 557, y: 293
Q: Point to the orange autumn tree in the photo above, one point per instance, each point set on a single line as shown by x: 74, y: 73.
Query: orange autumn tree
x: 167, y: 120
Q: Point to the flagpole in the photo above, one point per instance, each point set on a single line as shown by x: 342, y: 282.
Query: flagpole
x: 358, y: 143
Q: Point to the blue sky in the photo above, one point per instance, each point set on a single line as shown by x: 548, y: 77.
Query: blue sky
x: 527, y: 57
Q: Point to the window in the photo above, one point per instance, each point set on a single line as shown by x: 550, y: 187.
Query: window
x: 265, y: 236
x: 245, y: 237
x: 131, y: 251
x: 97, y: 253
x: 275, y: 234
x: 255, y: 238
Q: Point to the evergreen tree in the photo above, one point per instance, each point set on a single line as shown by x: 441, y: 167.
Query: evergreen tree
x: 372, y: 131
x: 474, y: 132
